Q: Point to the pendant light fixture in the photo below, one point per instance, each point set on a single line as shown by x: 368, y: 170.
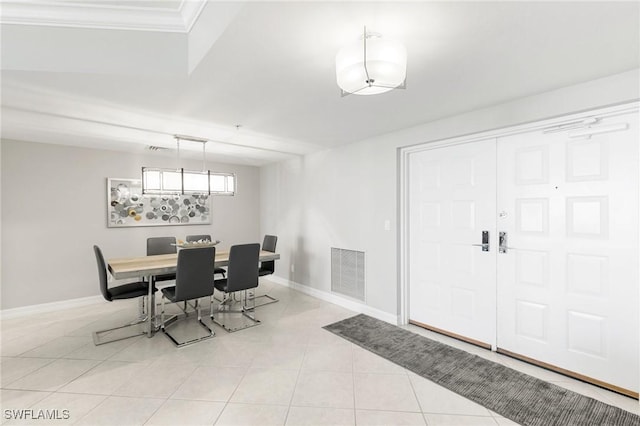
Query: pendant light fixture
x: 162, y: 181
x: 372, y: 65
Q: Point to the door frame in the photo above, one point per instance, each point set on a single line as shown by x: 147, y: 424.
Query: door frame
x: 558, y: 123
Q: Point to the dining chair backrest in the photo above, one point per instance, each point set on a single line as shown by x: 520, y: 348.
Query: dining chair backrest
x: 161, y: 245
x: 102, y: 273
x: 194, y: 273
x: 242, y: 272
x: 203, y: 237
x: 269, y: 244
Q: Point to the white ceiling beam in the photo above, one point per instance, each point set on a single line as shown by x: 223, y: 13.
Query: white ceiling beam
x: 87, y: 118
x: 37, y: 127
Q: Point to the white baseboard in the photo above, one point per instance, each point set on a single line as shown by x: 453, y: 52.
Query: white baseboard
x: 49, y: 307
x: 337, y: 300
x: 322, y: 295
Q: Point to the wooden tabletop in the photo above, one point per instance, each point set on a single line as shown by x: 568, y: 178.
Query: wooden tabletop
x: 135, y: 267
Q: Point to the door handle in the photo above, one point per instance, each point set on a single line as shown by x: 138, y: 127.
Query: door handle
x: 485, y: 241
x: 502, y: 242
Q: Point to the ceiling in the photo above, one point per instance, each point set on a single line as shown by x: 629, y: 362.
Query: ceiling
x: 128, y: 74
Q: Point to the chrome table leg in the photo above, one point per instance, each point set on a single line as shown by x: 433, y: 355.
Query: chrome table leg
x: 151, y: 303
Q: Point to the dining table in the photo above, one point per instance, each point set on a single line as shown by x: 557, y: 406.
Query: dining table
x: 148, y: 266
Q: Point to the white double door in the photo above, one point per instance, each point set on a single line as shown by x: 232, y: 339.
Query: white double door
x: 563, y: 290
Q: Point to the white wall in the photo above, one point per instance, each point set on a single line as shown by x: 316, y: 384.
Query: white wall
x: 342, y: 197
x: 0, y: 224
x: 54, y: 210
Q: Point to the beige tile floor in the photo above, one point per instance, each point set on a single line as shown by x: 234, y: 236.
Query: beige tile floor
x: 286, y: 371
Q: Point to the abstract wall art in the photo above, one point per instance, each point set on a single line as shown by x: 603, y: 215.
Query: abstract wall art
x: 126, y: 206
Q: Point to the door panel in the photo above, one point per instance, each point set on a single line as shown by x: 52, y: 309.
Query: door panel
x: 452, y: 200
x: 568, y: 284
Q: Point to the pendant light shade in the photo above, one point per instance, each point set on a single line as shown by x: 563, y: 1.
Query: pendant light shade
x: 371, y: 65
x: 158, y: 181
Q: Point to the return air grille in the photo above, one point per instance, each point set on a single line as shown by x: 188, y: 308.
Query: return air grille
x: 157, y: 148
x: 347, y: 272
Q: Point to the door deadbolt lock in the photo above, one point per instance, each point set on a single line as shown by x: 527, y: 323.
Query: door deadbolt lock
x: 485, y: 241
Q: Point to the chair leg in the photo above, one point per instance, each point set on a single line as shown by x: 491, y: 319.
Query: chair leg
x: 142, y: 309
x: 175, y: 317
x: 246, y: 308
x: 270, y: 299
x: 211, y: 332
x: 185, y: 307
x: 244, y: 311
x: 266, y: 296
x: 211, y: 306
x: 225, y: 304
x: 98, y: 340
x: 162, y: 313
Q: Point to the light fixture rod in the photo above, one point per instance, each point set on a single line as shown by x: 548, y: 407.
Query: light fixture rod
x: 204, y: 156
x: 379, y: 63
x: 178, y: 153
x: 191, y: 138
x: 366, y: 71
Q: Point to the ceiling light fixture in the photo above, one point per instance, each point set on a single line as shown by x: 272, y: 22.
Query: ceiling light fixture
x: 371, y: 65
x: 180, y: 181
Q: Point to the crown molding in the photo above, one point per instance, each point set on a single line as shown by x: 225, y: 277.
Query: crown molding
x: 102, y: 16
x: 190, y: 11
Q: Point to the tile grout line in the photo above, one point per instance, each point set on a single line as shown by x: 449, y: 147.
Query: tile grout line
x: 31, y: 372
x: 228, y: 401
x: 353, y: 379
x: 413, y: 389
x: 295, y: 386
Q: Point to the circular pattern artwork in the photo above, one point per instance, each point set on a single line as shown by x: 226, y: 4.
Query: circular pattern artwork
x: 128, y: 207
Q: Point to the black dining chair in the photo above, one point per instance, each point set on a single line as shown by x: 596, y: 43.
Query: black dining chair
x: 162, y: 245
x: 194, y: 276
x: 132, y: 290
x: 268, y: 244
x: 268, y: 267
x: 205, y: 237
x: 242, y: 275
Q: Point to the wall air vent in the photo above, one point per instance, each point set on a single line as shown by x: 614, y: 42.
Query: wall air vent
x: 347, y: 272
x: 157, y: 148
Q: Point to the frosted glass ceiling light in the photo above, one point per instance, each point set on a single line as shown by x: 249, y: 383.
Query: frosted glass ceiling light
x: 181, y: 181
x: 371, y: 65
